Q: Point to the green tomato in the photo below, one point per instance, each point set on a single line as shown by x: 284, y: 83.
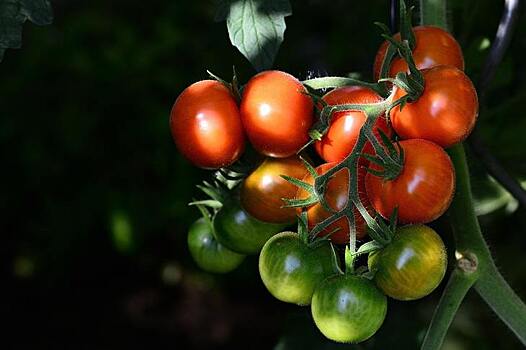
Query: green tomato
x: 240, y: 232
x: 348, y: 308
x: 412, y: 265
x: 291, y: 269
x: 207, y: 252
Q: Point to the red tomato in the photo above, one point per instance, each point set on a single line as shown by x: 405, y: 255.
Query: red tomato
x: 345, y: 127
x: 434, y: 47
x: 276, y: 114
x: 337, y: 195
x: 423, y: 190
x: 446, y: 111
x: 206, y: 125
x: 263, y: 190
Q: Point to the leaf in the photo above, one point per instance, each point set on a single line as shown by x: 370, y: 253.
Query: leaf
x: 255, y: 27
x: 13, y: 14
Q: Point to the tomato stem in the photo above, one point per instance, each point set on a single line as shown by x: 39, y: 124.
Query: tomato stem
x: 469, y: 242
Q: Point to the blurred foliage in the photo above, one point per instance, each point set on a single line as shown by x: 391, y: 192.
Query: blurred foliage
x: 93, y: 191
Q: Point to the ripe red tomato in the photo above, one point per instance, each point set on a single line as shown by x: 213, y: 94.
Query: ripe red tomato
x: 276, y: 114
x: 434, y: 47
x: 446, y: 111
x: 423, y: 190
x: 206, y: 125
x: 345, y: 127
x: 263, y: 190
x: 337, y: 195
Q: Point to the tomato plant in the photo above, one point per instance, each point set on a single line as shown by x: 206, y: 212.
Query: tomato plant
x: 239, y: 231
x: 291, y: 269
x: 263, y: 190
x: 206, y: 125
x: 412, y: 265
x: 434, y: 47
x: 423, y: 189
x: 446, y: 111
x: 336, y: 195
x: 276, y: 113
x: 348, y: 308
x: 207, y: 252
x: 345, y: 126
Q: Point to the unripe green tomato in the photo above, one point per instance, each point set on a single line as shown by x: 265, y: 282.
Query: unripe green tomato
x: 348, y: 308
x: 208, y: 253
x: 239, y: 231
x: 290, y: 269
x: 412, y: 265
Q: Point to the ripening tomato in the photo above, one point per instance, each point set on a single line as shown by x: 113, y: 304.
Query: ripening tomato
x: 239, y: 231
x: 412, y: 265
x: 207, y: 252
x: 291, y: 269
x: 434, y: 47
x: 263, y: 190
x: 337, y: 195
x: 276, y: 113
x: 348, y: 308
x: 206, y: 125
x: 345, y: 127
x: 423, y: 190
x: 446, y: 111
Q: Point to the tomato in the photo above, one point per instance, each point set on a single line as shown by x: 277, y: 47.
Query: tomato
x: 337, y: 195
x: 263, y: 190
x: 276, y: 114
x: 206, y: 125
x: 446, y: 111
x: 412, y: 265
x: 345, y: 127
x: 434, y: 47
x: 209, y: 254
x: 348, y: 308
x: 239, y: 231
x: 423, y: 190
x: 291, y: 269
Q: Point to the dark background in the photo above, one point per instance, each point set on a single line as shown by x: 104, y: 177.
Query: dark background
x: 93, y: 192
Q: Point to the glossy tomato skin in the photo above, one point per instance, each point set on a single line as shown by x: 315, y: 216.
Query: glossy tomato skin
x: 423, y: 190
x: 434, y: 47
x: 291, y: 270
x: 206, y: 125
x: 345, y: 127
x: 209, y: 254
x: 348, y: 308
x: 412, y: 265
x: 239, y: 231
x: 276, y: 114
x: 446, y: 111
x: 337, y: 195
x: 262, y: 191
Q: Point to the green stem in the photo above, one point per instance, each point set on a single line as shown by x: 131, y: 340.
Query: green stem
x: 337, y: 82
x: 457, y: 287
x: 494, y: 289
x: 469, y: 242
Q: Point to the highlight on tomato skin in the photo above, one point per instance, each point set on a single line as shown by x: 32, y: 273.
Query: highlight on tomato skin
x: 262, y: 192
x: 345, y: 126
x: 412, y: 265
x: 337, y: 196
x: 423, y: 190
x: 434, y: 47
x: 276, y: 113
x: 206, y: 125
x: 446, y: 111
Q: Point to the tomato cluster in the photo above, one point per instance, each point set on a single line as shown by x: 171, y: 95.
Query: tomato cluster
x: 401, y: 172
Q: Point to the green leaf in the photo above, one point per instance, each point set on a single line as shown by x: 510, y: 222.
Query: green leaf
x: 13, y: 14
x: 255, y: 27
